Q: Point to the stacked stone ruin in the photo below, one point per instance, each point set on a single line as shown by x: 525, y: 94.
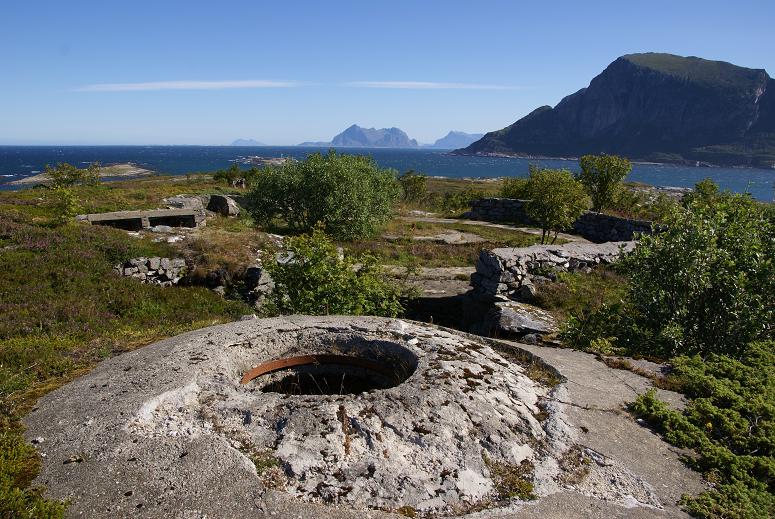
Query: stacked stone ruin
x: 507, y: 273
x: 157, y: 271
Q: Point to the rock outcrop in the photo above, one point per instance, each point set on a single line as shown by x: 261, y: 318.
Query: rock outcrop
x: 654, y: 107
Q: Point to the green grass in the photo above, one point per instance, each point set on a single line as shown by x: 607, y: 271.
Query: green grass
x: 578, y: 294
x: 409, y: 253
x: 146, y: 193
x: 63, y: 310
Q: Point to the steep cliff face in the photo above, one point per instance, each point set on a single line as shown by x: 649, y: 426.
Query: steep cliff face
x: 370, y: 137
x: 654, y: 106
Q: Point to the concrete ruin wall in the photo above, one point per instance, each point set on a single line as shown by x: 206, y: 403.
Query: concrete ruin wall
x: 138, y: 220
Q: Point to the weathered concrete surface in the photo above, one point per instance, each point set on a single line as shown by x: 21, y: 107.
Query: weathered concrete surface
x: 174, y: 415
x: 167, y: 431
x: 595, y: 400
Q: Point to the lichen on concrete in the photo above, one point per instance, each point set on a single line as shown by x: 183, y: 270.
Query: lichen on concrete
x: 170, y: 430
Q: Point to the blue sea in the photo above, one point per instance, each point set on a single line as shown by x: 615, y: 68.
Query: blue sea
x: 21, y: 161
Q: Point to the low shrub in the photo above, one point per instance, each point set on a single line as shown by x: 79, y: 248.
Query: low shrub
x: 312, y: 277
x: 730, y: 423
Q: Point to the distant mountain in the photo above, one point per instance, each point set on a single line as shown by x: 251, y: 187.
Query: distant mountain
x: 454, y: 140
x: 247, y: 142
x: 656, y: 107
x: 355, y: 136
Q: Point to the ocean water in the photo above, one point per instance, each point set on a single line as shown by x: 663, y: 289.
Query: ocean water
x: 21, y: 161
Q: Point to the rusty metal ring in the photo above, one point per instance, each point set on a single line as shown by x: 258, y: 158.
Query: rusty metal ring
x: 305, y: 360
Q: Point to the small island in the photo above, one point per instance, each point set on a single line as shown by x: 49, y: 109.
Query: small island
x: 124, y: 170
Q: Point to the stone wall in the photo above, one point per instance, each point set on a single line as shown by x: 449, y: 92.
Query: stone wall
x: 599, y: 227
x: 596, y: 227
x: 508, y: 273
x: 498, y: 210
x: 157, y: 271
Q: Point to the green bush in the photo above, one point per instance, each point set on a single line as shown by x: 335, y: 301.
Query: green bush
x: 315, y: 279
x: 349, y: 194
x: 706, y: 283
x: 730, y: 423
x: 414, y: 186
x: 636, y: 204
x: 514, y: 188
x: 65, y: 204
x: 556, y: 200
x: 704, y: 288
x: 602, y: 176
x: 229, y: 175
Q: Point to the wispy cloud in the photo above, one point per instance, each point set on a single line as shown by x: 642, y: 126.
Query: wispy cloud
x: 426, y: 85
x: 187, y: 85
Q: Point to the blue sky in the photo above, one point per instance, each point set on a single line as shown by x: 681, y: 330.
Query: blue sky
x: 205, y: 72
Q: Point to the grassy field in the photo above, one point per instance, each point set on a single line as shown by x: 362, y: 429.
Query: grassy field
x: 407, y: 252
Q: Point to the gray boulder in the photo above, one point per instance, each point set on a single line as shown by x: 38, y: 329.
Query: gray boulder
x: 515, y: 320
x: 223, y: 205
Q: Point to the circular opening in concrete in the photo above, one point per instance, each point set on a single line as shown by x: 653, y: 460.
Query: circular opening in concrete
x: 353, y: 369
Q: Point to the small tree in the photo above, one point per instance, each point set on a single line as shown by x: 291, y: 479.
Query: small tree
x: 66, y: 175
x: 414, y: 185
x: 349, y: 194
x: 65, y: 205
x: 315, y: 279
x: 556, y: 200
x: 602, y: 176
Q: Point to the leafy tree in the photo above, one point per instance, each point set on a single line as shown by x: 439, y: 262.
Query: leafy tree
x: 66, y: 175
x: 706, y: 283
x: 349, y: 194
x: 602, y: 176
x: 312, y: 277
x: 556, y: 200
x: 414, y: 185
x: 514, y: 187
